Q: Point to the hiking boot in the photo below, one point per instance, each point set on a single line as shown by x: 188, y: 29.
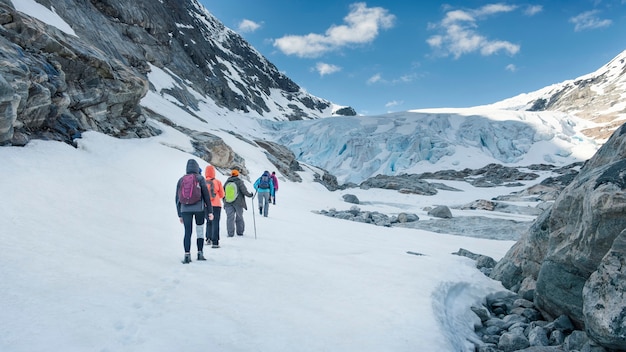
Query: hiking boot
x: 261, y: 211
x: 187, y: 259
x: 201, y: 256
x: 215, y: 245
x: 208, y: 241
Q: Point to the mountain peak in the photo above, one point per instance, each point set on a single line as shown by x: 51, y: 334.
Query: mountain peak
x: 599, y: 97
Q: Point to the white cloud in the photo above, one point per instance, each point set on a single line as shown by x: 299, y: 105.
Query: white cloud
x: 458, y: 33
x: 393, y: 103
x: 589, y: 20
x: 407, y: 78
x: 492, y: 47
x: 492, y: 9
x: 375, y: 78
x: 511, y: 67
x: 533, y: 10
x: 248, y: 26
x: 326, y: 69
x: 362, y: 26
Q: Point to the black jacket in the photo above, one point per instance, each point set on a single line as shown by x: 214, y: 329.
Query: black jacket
x: 205, y: 201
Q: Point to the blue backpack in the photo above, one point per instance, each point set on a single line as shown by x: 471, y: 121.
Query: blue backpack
x: 264, y: 182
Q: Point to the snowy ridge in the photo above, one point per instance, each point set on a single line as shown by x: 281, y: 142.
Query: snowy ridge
x: 599, y: 96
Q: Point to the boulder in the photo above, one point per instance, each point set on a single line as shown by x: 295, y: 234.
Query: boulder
x: 575, y: 251
x: 441, y: 211
x: 603, y: 298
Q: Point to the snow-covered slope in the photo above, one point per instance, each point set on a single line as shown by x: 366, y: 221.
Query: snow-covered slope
x: 599, y: 96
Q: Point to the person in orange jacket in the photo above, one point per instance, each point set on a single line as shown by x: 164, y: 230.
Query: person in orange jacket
x: 216, y: 190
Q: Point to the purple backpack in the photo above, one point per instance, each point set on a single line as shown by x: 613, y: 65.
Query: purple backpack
x: 189, y: 191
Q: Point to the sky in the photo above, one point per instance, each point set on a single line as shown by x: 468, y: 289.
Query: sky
x: 389, y: 56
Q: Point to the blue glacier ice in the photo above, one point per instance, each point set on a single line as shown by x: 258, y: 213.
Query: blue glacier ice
x: 357, y: 147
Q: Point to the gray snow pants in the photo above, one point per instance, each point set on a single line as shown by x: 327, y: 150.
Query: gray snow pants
x: 234, y: 220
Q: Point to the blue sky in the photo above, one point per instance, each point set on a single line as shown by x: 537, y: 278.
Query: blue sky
x: 387, y: 56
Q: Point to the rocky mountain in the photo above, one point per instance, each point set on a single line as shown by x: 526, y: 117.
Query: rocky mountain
x: 55, y: 82
x: 599, y: 97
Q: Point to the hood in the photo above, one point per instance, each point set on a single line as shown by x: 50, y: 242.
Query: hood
x: 266, y: 173
x: 209, y: 171
x: 192, y: 166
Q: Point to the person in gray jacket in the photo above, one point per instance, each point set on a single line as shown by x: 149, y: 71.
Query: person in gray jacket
x: 234, y: 210
x: 187, y: 212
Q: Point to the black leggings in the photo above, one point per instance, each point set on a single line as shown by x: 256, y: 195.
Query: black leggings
x: 188, y: 222
x: 213, y: 226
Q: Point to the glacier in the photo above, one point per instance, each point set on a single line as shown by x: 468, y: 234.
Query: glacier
x: 356, y: 148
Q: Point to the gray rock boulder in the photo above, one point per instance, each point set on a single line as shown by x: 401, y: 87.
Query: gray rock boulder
x: 574, y: 252
x: 351, y: 198
x: 604, y: 294
x: 441, y: 211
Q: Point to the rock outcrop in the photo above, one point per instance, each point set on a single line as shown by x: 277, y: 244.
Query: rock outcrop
x: 56, y: 83
x: 572, y: 261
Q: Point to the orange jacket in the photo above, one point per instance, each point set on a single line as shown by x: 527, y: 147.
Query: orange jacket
x: 218, y: 188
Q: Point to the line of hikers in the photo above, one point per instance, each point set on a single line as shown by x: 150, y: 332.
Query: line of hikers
x: 199, y: 197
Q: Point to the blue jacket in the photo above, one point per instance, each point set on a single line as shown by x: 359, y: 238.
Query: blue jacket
x: 264, y: 190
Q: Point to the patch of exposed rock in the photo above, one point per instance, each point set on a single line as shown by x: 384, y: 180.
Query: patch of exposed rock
x: 503, y: 207
x: 369, y: 217
x: 473, y: 226
x: 54, y: 85
x: 404, y: 184
x: 489, y: 176
x: 283, y: 158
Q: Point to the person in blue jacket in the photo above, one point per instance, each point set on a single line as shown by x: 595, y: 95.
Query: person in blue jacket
x: 265, y: 188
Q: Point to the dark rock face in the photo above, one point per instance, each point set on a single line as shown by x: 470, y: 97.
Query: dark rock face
x: 404, y: 183
x: 347, y: 111
x: 283, y: 158
x: 54, y: 85
x: 489, y: 176
x: 574, y: 254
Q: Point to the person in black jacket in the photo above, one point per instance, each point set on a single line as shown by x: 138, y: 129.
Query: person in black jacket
x: 234, y: 209
x: 187, y: 212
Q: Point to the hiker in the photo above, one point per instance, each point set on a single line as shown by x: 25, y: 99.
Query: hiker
x: 265, y: 189
x: 234, y: 203
x: 216, y: 191
x: 275, y: 180
x: 192, y: 197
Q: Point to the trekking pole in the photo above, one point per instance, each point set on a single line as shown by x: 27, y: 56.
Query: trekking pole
x: 253, y: 216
